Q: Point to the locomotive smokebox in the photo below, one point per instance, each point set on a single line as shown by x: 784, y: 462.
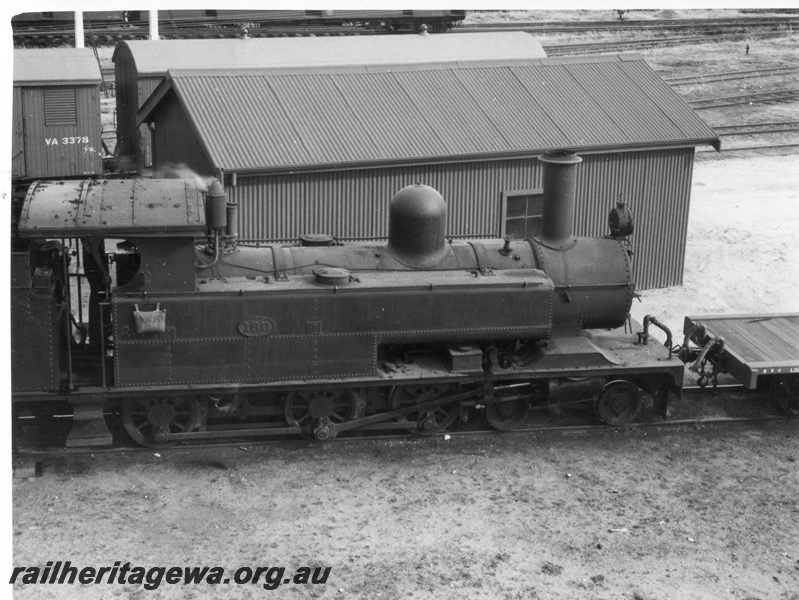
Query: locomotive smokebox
x: 417, y: 220
x: 560, y: 185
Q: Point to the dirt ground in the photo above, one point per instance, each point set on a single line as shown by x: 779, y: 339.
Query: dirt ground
x: 680, y: 513
x: 742, y: 254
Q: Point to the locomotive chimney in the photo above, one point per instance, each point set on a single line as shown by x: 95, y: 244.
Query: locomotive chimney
x: 560, y: 184
x: 416, y: 224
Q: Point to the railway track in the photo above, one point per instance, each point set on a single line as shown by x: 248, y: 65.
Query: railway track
x: 634, y: 45
x: 756, y: 128
x: 729, y: 76
x: 697, y: 408
x: 25, y: 457
x: 111, y: 36
x: 752, y: 98
x: 746, y: 148
x: 707, y: 25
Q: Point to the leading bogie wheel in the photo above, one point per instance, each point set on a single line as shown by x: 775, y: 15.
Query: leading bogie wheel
x: 784, y: 394
x: 619, y: 403
x: 150, y: 420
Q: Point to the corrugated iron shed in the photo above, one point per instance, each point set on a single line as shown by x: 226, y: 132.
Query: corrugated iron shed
x: 55, y: 66
x: 278, y: 120
x: 158, y: 57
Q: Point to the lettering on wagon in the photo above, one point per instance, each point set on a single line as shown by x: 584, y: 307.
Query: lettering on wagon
x: 256, y: 326
x: 67, y: 141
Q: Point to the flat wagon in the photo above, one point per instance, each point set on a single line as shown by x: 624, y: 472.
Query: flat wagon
x: 757, y: 350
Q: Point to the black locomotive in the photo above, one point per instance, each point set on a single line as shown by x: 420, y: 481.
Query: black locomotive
x: 200, y: 337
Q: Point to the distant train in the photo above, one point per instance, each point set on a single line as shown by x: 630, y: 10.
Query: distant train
x: 396, y: 20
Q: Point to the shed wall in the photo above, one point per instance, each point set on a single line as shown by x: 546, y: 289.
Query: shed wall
x: 17, y: 137
x: 353, y: 204
x: 174, y: 136
x: 147, y: 86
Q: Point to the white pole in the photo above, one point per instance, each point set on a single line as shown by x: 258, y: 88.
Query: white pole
x: 153, y: 24
x: 78, y: 29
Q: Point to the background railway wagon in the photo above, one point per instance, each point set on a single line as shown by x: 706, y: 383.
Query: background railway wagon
x: 57, y: 132
x: 437, y: 20
x: 65, y: 17
x: 305, y: 150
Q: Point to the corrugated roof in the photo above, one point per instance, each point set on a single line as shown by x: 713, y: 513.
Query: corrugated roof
x: 266, y: 122
x: 55, y: 66
x: 158, y: 57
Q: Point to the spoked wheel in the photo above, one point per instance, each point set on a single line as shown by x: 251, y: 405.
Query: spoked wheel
x: 507, y: 415
x: 426, y: 422
x: 313, y: 409
x: 784, y: 394
x: 619, y: 403
x: 511, y: 413
x: 148, y: 421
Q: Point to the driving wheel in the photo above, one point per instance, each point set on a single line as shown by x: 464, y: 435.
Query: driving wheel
x: 507, y: 415
x: 149, y: 421
x: 312, y: 409
x: 424, y: 422
x: 619, y: 403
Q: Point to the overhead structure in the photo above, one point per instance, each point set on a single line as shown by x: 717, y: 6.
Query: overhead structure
x: 154, y: 25
x: 78, y: 29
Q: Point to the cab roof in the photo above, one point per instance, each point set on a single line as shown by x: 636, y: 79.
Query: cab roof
x: 114, y: 208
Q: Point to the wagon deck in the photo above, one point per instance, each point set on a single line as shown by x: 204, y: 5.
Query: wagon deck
x: 754, y: 345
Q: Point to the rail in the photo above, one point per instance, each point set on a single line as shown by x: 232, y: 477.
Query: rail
x: 729, y: 76
x: 753, y: 98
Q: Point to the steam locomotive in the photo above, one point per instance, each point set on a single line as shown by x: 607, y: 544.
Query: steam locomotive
x: 191, y: 335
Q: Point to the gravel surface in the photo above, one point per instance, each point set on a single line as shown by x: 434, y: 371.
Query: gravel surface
x: 682, y: 513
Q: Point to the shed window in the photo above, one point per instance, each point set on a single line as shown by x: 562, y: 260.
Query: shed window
x: 522, y: 213
x: 60, y: 107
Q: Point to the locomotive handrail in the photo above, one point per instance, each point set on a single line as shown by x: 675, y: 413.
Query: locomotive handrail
x: 643, y: 337
x: 103, y: 306
x: 68, y: 308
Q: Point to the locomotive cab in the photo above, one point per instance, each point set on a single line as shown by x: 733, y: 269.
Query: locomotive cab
x: 78, y: 246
